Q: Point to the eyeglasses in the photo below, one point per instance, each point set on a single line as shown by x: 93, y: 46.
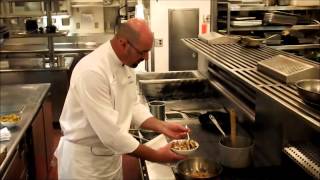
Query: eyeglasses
x: 141, y: 53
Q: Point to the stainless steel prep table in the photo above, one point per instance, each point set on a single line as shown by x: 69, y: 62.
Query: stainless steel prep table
x: 31, y: 97
x: 33, y: 70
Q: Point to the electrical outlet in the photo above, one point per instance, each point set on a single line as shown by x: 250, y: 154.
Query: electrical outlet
x: 158, y: 42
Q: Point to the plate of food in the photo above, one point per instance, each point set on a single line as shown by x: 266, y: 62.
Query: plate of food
x: 10, y: 120
x: 184, y: 146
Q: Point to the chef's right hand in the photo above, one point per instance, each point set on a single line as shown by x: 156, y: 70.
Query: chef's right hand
x: 165, y: 155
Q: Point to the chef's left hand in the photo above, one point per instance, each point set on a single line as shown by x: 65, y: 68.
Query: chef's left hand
x: 174, y: 130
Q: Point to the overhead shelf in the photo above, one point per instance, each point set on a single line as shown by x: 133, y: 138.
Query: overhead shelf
x: 243, y: 7
x: 26, y: 35
x: 276, y: 28
x: 259, y: 28
x: 94, y: 4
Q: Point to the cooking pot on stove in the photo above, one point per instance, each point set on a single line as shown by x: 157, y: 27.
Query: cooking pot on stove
x: 198, y: 168
x: 236, y: 154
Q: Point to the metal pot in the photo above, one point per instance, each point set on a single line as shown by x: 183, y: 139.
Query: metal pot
x: 198, y: 168
x: 157, y: 109
x: 254, y: 42
x: 251, y: 42
x: 309, y: 91
x: 31, y: 25
x: 237, y: 155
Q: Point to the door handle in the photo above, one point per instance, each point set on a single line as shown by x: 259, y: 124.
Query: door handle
x: 194, y: 55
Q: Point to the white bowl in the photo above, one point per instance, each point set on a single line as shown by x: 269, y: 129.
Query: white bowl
x: 183, y: 142
x: 15, y: 118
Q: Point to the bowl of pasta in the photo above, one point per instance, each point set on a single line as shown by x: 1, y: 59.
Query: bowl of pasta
x: 184, y: 146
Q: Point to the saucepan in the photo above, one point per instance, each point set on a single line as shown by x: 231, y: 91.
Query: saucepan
x: 254, y: 42
x: 198, y: 168
x: 309, y: 91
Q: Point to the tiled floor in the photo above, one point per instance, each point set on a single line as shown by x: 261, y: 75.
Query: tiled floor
x: 131, y: 169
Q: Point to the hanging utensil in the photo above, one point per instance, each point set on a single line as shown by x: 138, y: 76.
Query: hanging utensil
x: 187, y: 133
x: 215, y: 122
x: 233, y: 124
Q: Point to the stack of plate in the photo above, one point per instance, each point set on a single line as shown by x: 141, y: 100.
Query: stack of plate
x: 246, y: 23
x: 246, y: 1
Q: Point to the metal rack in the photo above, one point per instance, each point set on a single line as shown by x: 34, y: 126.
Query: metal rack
x: 306, y: 156
x: 229, y: 29
x: 236, y: 7
x: 241, y: 63
x: 46, y: 11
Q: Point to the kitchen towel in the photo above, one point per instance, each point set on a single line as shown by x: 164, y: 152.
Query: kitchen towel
x: 5, y: 134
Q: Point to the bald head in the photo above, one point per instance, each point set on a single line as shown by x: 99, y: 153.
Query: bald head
x: 132, y: 42
x: 135, y: 30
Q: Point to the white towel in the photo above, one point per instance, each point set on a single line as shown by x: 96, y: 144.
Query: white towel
x: 5, y: 134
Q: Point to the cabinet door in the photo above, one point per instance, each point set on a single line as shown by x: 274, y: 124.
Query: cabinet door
x: 17, y: 169
x: 48, y: 124
x: 39, y: 146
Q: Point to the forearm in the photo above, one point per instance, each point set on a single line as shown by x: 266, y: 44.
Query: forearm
x: 145, y: 153
x: 161, y: 155
x: 154, y: 124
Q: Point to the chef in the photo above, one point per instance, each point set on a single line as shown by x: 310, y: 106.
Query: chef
x: 102, y: 104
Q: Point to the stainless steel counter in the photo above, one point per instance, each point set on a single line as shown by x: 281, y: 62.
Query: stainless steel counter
x: 34, y: 64
x: 14, y: 97
x: 35, y: 70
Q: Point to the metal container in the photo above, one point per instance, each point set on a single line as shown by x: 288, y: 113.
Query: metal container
x: 309, y: 90
x: 237, y: 155
x: 251, y: 42
x: 60, y: 61
x: 280, y: 18
x: 157, y: 109
x: 198, y: 168
x: 284, y: 2
x: 270, y: 2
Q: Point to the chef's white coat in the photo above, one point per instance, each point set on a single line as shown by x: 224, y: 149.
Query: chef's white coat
x: 99, y: 108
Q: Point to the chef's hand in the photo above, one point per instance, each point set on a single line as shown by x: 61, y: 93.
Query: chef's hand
x: 165, y: 155
x: 174, y: 130
x: 170, y: 129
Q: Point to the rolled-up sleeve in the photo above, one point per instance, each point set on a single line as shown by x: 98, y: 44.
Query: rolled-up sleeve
x: 140, y: 113
x: 95, y: 98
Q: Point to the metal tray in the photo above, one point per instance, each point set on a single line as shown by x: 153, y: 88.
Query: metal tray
x: 286, y: 69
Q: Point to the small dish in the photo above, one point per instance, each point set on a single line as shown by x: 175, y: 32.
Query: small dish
x: 10, y: 120
x: 184, y: 146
